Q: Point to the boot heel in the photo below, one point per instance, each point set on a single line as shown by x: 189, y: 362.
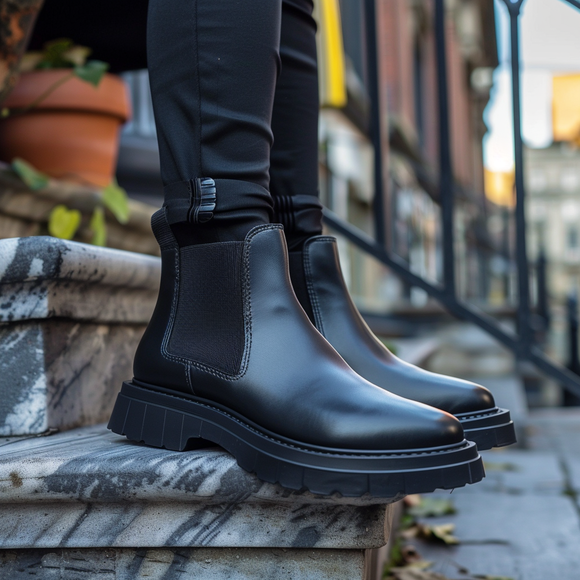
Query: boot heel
x: 155, y: 425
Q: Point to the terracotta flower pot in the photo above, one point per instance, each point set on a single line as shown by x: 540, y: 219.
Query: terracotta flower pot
x: 73, y: 133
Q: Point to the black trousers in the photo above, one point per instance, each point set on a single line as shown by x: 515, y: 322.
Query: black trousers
x: 235, y: 95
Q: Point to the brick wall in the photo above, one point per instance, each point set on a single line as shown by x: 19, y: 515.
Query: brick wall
x: 403, y: 25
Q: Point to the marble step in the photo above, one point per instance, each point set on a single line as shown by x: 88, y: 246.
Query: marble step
x: 74, y: 496
x: 71, y: 316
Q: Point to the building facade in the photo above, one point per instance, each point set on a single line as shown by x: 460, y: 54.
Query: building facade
x: 407, y: 71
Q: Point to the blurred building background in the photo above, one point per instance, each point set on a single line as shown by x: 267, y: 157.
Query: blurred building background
x: 407, y: 79
x: 407, y: 70
x: 481, y: 148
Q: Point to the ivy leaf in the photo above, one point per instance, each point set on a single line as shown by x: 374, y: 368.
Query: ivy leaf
x: 53, y: 51
x: 77, y: 55
x: 98, y: 227
x: 115, y: 199
x: 32, y: 177
x: 63, y: 222
x: 91, y: 72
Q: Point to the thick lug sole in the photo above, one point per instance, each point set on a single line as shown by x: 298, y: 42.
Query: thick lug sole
x: 162, y: 419
x: 490, y: 428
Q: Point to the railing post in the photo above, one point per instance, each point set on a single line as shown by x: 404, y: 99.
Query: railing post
x: 572, y: 399
x: 524, y: 311
x: 446, y: 182
x: 375, y: 129
x: 505, y: 250
x: 521, y: 345
x: 543, y: 308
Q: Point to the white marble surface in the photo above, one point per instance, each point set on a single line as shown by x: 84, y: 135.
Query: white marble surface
x: 44, y: 277
x: 71, y: 316
x: 91, y: 488
x: 59, y: 374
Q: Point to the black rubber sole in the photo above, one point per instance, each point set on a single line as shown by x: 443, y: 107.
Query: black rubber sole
x: 161, y: 419
x: 490, y: 428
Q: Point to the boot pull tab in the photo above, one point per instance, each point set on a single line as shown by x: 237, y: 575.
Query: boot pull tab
x: 203, y: 191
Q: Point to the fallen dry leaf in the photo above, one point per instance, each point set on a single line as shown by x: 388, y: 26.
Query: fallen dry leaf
x: 413, y: 500
x: 444, y: 532
x: 432, y: 507
x: 440, y: 533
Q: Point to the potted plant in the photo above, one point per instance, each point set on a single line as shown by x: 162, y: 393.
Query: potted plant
x: 64, y: 115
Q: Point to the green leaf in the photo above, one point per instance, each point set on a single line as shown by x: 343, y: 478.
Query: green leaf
x: 53, y: 51
x: 407, y: 521
x: 115, y: 199
x: 63, y: 222
x: 91, y: 72
x: 98, y: 227
x: 32, y: 177
x: 59, y: 53
x: 5, y: 112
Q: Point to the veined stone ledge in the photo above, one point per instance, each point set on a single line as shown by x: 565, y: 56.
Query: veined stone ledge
x: 71, y: 316
x: 90, y: 488
x: 44, y: 277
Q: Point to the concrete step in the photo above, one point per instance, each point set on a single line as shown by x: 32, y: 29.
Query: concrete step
x: 93, y: 497
x: 521, y: 522
x: 71, y: 316
x: 466, y: 350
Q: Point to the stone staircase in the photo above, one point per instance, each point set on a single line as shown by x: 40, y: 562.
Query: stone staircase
x: 71, y: 316
x: 92, y: 495
x: 78, y: 502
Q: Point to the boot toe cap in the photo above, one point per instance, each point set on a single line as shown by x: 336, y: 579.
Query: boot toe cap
x: 449, y: 394
x: 466, y: 397
x: 384, y: 421
x: 422, y: 426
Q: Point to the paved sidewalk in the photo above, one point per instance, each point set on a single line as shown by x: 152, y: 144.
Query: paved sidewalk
x: 523, y: 521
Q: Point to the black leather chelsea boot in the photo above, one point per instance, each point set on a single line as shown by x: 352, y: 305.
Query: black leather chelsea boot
x: 320, y: 287
x: 230, y: 357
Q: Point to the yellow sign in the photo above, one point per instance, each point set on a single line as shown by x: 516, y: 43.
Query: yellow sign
x: 566, y: 108
x: 331, y: 68
x: 499, y: 187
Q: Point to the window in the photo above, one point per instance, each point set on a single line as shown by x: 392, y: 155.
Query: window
x: 569, y: 180
x: 572, y: 238
x: 538, y: 180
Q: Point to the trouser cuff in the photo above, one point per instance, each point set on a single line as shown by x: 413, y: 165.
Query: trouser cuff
x: 205, y: 200
x: 301, y: 215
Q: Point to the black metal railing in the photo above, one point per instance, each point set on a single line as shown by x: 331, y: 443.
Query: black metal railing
x: 522, y: 343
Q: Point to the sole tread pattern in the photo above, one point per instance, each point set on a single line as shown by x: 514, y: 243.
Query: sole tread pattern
x: 157, y: 422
